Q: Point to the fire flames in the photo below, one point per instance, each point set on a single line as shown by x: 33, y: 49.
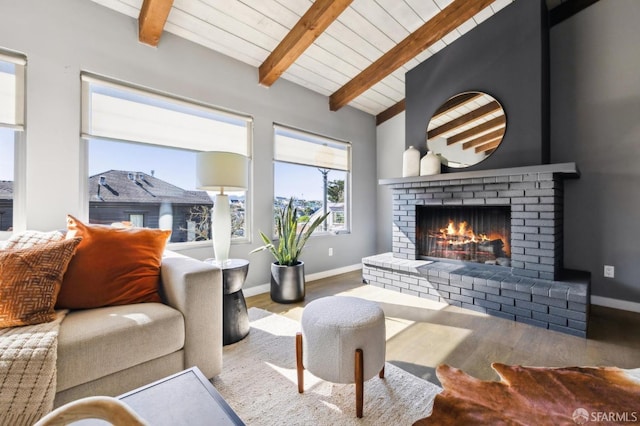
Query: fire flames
x: 462, y: 233
x: 460, y: 237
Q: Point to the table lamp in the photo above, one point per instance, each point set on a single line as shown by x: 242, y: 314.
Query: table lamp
x: 220, y: 171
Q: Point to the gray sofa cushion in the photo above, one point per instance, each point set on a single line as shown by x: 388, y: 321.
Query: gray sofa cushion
x: 94, y: 343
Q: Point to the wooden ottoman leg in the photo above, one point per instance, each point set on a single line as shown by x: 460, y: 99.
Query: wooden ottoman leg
x: 381, y: 373
x: 299, y: 365
x: 359, y: 382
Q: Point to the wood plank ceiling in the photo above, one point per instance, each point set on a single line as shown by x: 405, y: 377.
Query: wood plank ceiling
x: 356, y: 52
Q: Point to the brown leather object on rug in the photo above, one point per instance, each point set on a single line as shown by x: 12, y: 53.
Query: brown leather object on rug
x: 534, y: 396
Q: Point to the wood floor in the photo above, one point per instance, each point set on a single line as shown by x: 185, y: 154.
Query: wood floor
x: 422, y: 334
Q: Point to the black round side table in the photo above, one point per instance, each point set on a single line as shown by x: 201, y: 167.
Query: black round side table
x: 235, y: 319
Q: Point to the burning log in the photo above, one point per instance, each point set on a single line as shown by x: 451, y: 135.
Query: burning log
x: 460, y: 242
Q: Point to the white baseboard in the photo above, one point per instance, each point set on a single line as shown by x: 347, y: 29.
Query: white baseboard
x: 615, y: 303
x: 332, y: 272
x: 266, y: 288
x: 256, y: 290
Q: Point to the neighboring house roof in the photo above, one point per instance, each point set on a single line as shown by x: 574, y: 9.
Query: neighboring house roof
x: 138, y: 187
x: 6, y: 190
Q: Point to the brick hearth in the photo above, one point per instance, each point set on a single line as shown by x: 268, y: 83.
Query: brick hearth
x: 557, y: 305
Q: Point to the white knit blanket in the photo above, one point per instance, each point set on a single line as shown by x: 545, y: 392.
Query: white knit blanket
x: 28, y: 371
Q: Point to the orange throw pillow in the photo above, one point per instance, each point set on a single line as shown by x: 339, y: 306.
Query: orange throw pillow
x: 112, y: 266
x: 30, y: 281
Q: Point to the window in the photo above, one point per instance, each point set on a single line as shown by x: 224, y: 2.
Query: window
x: 316, y: 171
x: 141, y: 159
x: 6, y: 178
x: 12, y: 73
x: 136, y: 220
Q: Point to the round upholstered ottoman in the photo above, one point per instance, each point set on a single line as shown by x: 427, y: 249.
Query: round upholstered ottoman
x: 342, y: 341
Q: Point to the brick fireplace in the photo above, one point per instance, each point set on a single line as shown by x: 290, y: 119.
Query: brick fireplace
x: 534, y: 195
x: 516, y: 273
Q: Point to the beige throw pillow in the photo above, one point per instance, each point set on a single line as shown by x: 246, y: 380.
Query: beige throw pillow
x: 29, y: 239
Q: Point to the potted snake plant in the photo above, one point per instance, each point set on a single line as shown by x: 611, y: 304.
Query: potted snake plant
x: 287, y: 272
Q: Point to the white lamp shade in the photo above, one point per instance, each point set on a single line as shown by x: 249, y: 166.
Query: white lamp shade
x: 220, y: 171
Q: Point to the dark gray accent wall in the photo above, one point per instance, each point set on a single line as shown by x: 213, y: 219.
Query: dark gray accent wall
x: 506, y: 57
x: 595, y: 121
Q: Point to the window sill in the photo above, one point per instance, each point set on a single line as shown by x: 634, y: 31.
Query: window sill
x: 321, y: 234
x: 177, y: 247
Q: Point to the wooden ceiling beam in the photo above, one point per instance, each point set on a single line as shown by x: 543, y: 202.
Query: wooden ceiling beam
x: 488, y: 146
x: 455, y: 102
x: 153, y: 16
x: 313, y: 23
x: 484, y: 127
x: 556, y: 15
x: 390, y: 112
x: 465, y: 119
x: 437, y: 27
x: 567, y: 9
x: 489, y: 137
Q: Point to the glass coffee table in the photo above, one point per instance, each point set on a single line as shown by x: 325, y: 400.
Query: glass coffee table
x: 186, y: 398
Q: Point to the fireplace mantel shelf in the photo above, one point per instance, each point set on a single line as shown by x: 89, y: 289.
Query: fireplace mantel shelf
x: 570, y: 170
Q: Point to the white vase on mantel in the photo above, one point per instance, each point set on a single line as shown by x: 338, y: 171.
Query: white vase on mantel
x: 411, y: 162
x: 430, y: 164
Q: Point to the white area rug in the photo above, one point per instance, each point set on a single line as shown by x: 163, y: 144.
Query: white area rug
x: 258, y: 380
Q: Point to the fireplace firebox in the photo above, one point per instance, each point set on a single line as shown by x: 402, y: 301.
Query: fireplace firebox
x: 480, y: 234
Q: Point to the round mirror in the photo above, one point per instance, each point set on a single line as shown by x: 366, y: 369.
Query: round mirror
x: 466, y: 129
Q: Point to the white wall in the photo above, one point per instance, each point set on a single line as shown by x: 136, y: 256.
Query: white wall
x: 61, y: 38
x: 390, y: 147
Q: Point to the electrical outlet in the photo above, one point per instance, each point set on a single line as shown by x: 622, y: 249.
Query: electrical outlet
x: 331, y: 251
x: 609, y: 271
